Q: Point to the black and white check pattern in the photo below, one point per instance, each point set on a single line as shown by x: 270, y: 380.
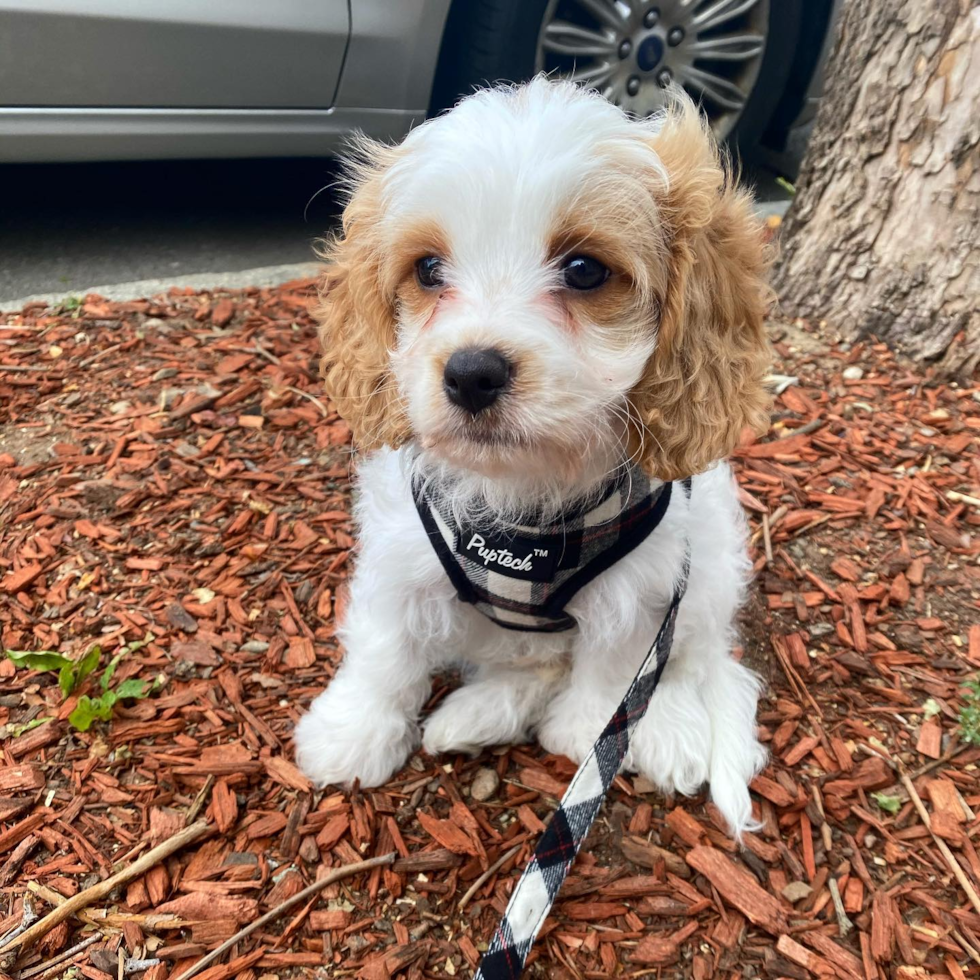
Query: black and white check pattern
x: 542, y: 878
x: 585, y: 542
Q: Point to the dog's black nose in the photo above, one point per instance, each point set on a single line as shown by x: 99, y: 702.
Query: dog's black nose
x: 474, y: 378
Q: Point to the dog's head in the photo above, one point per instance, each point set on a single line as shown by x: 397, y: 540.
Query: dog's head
x: 534, y: 284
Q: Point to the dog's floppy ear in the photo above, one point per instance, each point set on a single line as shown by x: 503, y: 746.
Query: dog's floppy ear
x: 356, y: 312
x: 704, y: 382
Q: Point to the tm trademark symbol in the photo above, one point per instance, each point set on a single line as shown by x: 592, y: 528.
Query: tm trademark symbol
x: 541, y: 552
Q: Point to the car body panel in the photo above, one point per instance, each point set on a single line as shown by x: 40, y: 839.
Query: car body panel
x: 227, y: 108
x: 394, y: 50
x: 75, y: 135
x: 172, y: 53
x: 783, y: 147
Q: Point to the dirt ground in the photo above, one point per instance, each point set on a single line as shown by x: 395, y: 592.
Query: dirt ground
x: 170, y: 468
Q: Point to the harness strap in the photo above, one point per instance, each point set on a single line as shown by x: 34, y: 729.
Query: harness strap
x: 523, y: 578
x: 538, y: 886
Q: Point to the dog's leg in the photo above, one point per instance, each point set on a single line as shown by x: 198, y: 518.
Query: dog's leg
x: 365, y: 724
x: 499, y: 706
x: 731, y: 693
x: 700, y: 728
x: 671, y: 746
x: 581, y: 709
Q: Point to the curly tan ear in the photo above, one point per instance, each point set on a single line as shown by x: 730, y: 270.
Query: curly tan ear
x: 356, y: 313
x: 704, y: 382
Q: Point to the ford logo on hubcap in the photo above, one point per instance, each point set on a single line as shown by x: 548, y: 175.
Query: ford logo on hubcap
x: 649, y: 53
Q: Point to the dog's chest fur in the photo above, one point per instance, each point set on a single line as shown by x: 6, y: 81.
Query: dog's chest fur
x: 631, y: 595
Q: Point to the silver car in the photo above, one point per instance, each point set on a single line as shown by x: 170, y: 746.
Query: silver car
x: 150, y: 79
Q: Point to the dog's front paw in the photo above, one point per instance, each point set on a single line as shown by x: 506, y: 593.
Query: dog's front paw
x: 471, y: 718
x: 452, y: 728
x: 571, y: 725
x: 673, y: 752
x: 338, y: 742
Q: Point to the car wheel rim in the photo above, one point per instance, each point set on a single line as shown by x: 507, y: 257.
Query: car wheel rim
x: 631, y: 50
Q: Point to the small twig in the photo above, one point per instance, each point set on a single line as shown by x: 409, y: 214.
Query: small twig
x: 56, y: 962
x: 116, y: 920
x: 279, y: 569
x: 821, y: 520
x: 949, y: 754
x: 967, y: 947
x: 27, y: 916
x: 129, y: 855
x: 24, y: 367
x: 259, y: 349
x: 774, y: 519
x: 305, y: 394
x: 481, y: 881
x: 98, y: 891
x: 954, y: 865
x: 138, y: 966
x: 867, y: 749
x: 795, y: 680
x: 767, y: 540
x: 48, y: 894
x: 844, y: 924
x: 199, y: 800
x: 889, y: 884
x: 963, y: 498
x: 825, y: 834
x: 337, y: 875
x: 56, y: 899
x: 97, y: 357
x: 803, y: 430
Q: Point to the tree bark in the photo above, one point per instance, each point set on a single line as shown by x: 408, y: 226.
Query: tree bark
x: 883, y: 236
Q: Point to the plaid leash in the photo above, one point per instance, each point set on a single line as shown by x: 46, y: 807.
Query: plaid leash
x: 538, y: 886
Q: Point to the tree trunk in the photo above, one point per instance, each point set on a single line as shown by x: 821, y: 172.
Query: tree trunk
x: 883, y: 237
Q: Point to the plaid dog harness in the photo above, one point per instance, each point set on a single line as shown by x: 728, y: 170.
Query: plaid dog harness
x: 601, y: 535
x: 523, y: 577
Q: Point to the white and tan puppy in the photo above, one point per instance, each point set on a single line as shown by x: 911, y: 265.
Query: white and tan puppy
x: 601, y: 281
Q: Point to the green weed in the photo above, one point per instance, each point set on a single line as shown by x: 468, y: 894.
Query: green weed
x: 72, y: 673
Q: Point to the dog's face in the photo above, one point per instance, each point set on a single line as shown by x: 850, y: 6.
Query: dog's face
x: 533, y: 285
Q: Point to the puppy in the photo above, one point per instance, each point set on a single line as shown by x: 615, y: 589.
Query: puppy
x: 538, y: 308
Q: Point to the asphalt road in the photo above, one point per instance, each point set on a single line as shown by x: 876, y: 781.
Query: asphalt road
x: 67, y: 227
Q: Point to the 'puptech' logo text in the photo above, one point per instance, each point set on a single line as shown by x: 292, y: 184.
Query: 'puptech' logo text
x: 514, y: 557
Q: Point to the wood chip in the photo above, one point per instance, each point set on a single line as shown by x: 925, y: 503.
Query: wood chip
x: 739, y: 888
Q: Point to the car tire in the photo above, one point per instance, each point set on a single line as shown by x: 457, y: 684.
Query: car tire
x: 785, y: 17
x: 488, y: 41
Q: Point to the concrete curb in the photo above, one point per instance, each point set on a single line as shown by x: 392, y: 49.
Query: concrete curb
x: 121, y: 292
x: 765, y: 209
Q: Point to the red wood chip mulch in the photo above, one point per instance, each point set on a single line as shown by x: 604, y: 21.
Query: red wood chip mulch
x: 170, y: 467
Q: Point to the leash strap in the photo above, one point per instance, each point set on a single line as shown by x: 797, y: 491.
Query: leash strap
x: 538, y: 886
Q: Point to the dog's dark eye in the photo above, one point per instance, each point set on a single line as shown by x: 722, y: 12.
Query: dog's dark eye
x: 428, y: 271
x: 584, y: 272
